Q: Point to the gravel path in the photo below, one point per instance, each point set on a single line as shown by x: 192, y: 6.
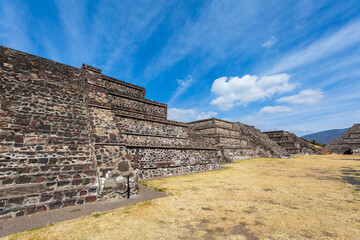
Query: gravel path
x: 20, y: 224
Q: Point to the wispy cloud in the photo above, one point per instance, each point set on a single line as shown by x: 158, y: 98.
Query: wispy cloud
x: 205, y: 115
x: 125, y: 37
x: 77, y: 30
x: 241, y: 91
x: 183, y: 85
x: 187, y: 115
x: 270, y: 42
x: 307, y: 96
x: 105, y: 33
x: 275, y: 109
x: 346, y: 37
x: 253, y: 120
x: 215, y: 34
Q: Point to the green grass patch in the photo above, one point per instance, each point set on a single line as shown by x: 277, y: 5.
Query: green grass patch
x: 160, y: 189
x: 96, y: 215
x: 146, y: 203
x: 145, y: 184
x: 37, y: 228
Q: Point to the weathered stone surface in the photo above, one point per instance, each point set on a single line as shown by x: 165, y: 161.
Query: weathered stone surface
x: 349, y: 143
x: 123, y: 166
x: 16, y: 190
x: 72, y: 135
x: 45, y: 138
x: 235, y: 140
x: 291, y: 143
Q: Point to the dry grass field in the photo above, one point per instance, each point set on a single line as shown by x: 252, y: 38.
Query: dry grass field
x: 307, y: 197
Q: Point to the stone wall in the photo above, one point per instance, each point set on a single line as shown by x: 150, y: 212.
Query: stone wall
x: 236, y: 140
x: 291, y: 143
x: 160, y: 161
x: 61, y: 143
x: 46, y: 159
x: 154, y: 145
x: 349, y: 143
x: 161, y: 128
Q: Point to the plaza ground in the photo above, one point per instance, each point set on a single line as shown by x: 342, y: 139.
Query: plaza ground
x: 305, y: 197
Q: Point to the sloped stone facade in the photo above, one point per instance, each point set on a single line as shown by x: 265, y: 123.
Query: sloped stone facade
x: 349, y: 143
x: 291, y: 143
x: 236, y: 140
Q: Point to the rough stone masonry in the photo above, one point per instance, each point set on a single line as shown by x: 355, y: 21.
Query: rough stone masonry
x: 291, y: 143
x: 349, y: 143
x: 72, y: 136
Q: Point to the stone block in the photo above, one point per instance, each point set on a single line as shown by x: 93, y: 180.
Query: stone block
x: 41, y: 208
x: 76, y: 181
x: 38, y: 179
x: 90, y: 199
x: 62, y: 183
x: 23, y: 180
x: 55, y: 205
x: 31, y: 209
x: 16, y: 200
x: 70, y: 202
x: 58, y: 195
x: 45, y: 197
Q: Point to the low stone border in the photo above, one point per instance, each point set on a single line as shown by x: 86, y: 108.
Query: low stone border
x: 20, y: 224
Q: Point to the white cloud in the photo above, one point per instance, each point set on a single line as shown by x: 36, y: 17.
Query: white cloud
x: 270, y: 42
x: 307, y: 96
x: 241, y: 91
x: 183, y: 85
x: 205, y: 115
x: 275, y: 109
x: 251, y: 120
x: 187, y: 115
x: 324, y: 47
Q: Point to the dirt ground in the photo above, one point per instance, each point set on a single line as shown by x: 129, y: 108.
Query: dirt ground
x: 306, y: 197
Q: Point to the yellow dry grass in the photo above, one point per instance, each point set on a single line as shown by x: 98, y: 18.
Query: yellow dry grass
x: 306, y: 197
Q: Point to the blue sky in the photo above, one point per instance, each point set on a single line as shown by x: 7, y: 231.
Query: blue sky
x: 292, y: 65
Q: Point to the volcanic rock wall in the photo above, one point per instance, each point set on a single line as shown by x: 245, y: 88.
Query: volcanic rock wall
x: 291, y: 143
x: 154, y: 145
x: 349, y: 143
x: 46, y: 159
x: 70, y: 136
x: 236, y: 140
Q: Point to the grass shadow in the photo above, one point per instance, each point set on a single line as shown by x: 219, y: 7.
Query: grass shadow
x: 351, y: 176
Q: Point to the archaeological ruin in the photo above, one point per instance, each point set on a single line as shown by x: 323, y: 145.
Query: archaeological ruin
x: 236, y: 140
x: 72, y: 135
x: 292, y: 143
x: 349, y: 143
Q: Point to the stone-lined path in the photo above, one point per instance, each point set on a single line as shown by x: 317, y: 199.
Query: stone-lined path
x: 20, y: 224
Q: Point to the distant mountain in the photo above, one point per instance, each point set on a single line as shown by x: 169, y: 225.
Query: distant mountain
x: 326, y: 136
